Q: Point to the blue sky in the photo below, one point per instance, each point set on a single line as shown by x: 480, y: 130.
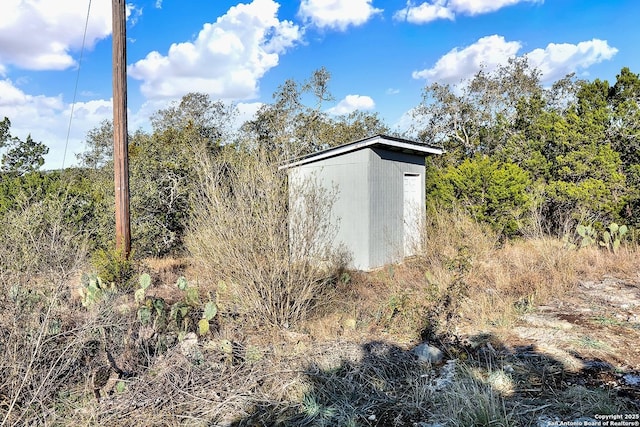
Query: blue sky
x: 380, y: 53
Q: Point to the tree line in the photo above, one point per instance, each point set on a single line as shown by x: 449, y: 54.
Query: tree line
x: 519, y: 154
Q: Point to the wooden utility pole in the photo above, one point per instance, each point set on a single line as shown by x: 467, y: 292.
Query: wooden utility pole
x: 120, y: 137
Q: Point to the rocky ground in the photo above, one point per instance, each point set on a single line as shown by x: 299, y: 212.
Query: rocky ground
x: 573, y: 360
x: 586, y: 343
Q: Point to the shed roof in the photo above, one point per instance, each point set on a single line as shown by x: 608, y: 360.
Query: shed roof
x: 383, y: 141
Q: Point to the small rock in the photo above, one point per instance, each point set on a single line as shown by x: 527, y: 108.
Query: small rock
x: 189, y: 344
x: 428, y: 353
x: 547, y: 322
x: 631, y: 379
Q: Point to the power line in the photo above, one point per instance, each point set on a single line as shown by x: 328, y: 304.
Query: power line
x: 75, y: 90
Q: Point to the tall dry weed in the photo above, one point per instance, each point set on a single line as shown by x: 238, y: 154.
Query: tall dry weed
x: 518, y: 276
x: 239, y: 235
x: 455, y: 247
x: 37, y: 239
x: 41, y: 340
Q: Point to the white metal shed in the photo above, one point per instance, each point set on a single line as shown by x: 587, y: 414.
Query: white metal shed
x: 380, y: 203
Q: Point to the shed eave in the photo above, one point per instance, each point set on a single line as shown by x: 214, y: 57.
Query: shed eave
x: 395, y: 144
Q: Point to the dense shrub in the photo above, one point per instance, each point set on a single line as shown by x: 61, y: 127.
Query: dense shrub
x: 38, y: 238
x: 491, y: 191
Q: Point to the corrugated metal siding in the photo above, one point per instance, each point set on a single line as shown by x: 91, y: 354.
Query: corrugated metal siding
x: 387, y: 178
x: 369, y: 205
x: 349, y: 173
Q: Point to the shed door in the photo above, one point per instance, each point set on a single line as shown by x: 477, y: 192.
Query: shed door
x: 412, y: 213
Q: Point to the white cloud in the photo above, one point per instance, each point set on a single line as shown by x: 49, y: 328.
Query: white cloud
x: 55, y: 28
x: 554, y: 62
x: 476, y: 7
x: 461, y: 64
x: 10, y: 95
x: 392, y: 91
x: 557, y: 60
x: 351, y: 103
x: 46, y: 119
x: 133, y: 13
x: 227, y: 58
x: 337, y: 14
x: 447, y: 9
x: 425, y: 12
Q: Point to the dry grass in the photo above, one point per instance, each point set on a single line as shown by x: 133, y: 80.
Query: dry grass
x: 476, y: 398
x: 346, y: 363
x: 465, y: 280
x: 41, y: 339
x: 516, y: 277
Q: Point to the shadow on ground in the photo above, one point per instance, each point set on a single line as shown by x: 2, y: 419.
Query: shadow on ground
x: 481, y: 382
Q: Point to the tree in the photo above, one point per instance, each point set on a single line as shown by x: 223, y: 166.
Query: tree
x: 209, y: 121
x: 578, y: 140
x: 288, y: 128
x: 624, y: 135
x: 587, y: 179
x: 163, y: 177
x: 4, y: 131
x: 624, y: 131
x: 23, y: 157
x: 99, y: 143
x: 476, y: 116
x: 354, y: 126
x: 162, y: 170
x: 561, y: 139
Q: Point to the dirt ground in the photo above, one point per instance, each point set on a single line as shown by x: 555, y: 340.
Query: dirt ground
x: 598, y: 321
x: 571, y: 359
x: 589, y: 338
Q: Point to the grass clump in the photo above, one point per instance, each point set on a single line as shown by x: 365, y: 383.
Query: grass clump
x: 473, y: 400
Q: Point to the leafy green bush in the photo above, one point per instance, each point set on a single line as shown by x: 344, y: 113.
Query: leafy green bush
x: 491, y: 191
x: 112, y: 266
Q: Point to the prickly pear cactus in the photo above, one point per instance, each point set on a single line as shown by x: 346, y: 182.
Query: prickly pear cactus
x: 144, y: 282
x: 93, y: 290
x: 588, y: 235
x: 613, y: 236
